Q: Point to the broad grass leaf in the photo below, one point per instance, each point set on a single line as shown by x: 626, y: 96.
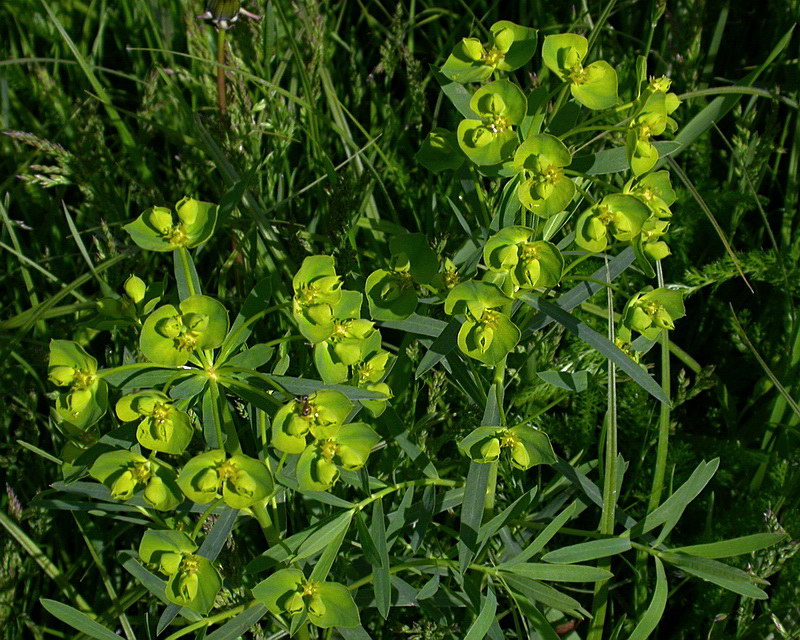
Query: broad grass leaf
x: 547, y: 595
x: 186, y: 277
x: 571, y: 381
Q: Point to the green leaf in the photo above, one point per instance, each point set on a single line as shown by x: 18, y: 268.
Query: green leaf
x: 322, y: 536
x: 480, y: 627
x: 380, y: 571
x: 185, y: 273
x: 254, y: 305
x: 545, y: 535
x: 591, y: 550
x: 236, y: 627
x: 78, y: 620
x: 340, y: 609
x: 615, y: 160
x: 518, y: 44
x: 562, y: 51
x: 276, y: 591
x: 599, y: 342
x: 440, y: 151
x: 414, y: 249
x: 390, y: 294
x: 557, y: 572
x: 720, y: 574
x: 328, y: 556
x: 733, y: 547
x: 571, y: 381
x: 652, y: 616
x: 472, y: 513
x: 442, y: 345
x: 456, y: 92
x: 670, y: 511
x: 547, y: 595
x: 598, y: 89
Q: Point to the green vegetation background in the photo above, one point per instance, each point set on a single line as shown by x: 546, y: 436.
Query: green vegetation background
x: 328, y: 102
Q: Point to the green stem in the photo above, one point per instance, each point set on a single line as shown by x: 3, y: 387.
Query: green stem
x: 214, y: 389
x: 439, y: 482
x: 600, y: 602
x: 265, y: 522
x: 209, y: 510
x: 207, y: 622
x: 185, y: 259
x: 221, y: 99
x: 302, y: 632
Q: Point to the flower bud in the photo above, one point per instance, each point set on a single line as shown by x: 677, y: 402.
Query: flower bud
x: 135, y: 288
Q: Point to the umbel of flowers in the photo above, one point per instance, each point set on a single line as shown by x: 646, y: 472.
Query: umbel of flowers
x: 181, y: 448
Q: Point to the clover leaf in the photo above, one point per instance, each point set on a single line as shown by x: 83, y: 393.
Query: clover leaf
x: 170, y: 336
x: 159, y: 229
x: 510, y: 47
x: 594, y: 86
x: 500, y: 105
x: 543, y: 187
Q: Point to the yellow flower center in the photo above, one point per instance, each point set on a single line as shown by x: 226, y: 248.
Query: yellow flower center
x: 227, y: 470
x: 508, y: 440
x: 605, y: 214
x: 492, y: 57
x: 141, y: 471
x: 490, y: 318
x: 497, y: 124
x: 177, y: 235
x: 578, y: 75
x: 328, y: 449
x: 82, y: 380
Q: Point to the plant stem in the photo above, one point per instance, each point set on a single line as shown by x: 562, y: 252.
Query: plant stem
x: 185, y: 260
x: 600, y: 602
x: 302, y: 632
x: 221, y: 99
x: 262, y: 516
x: 663, y: 416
